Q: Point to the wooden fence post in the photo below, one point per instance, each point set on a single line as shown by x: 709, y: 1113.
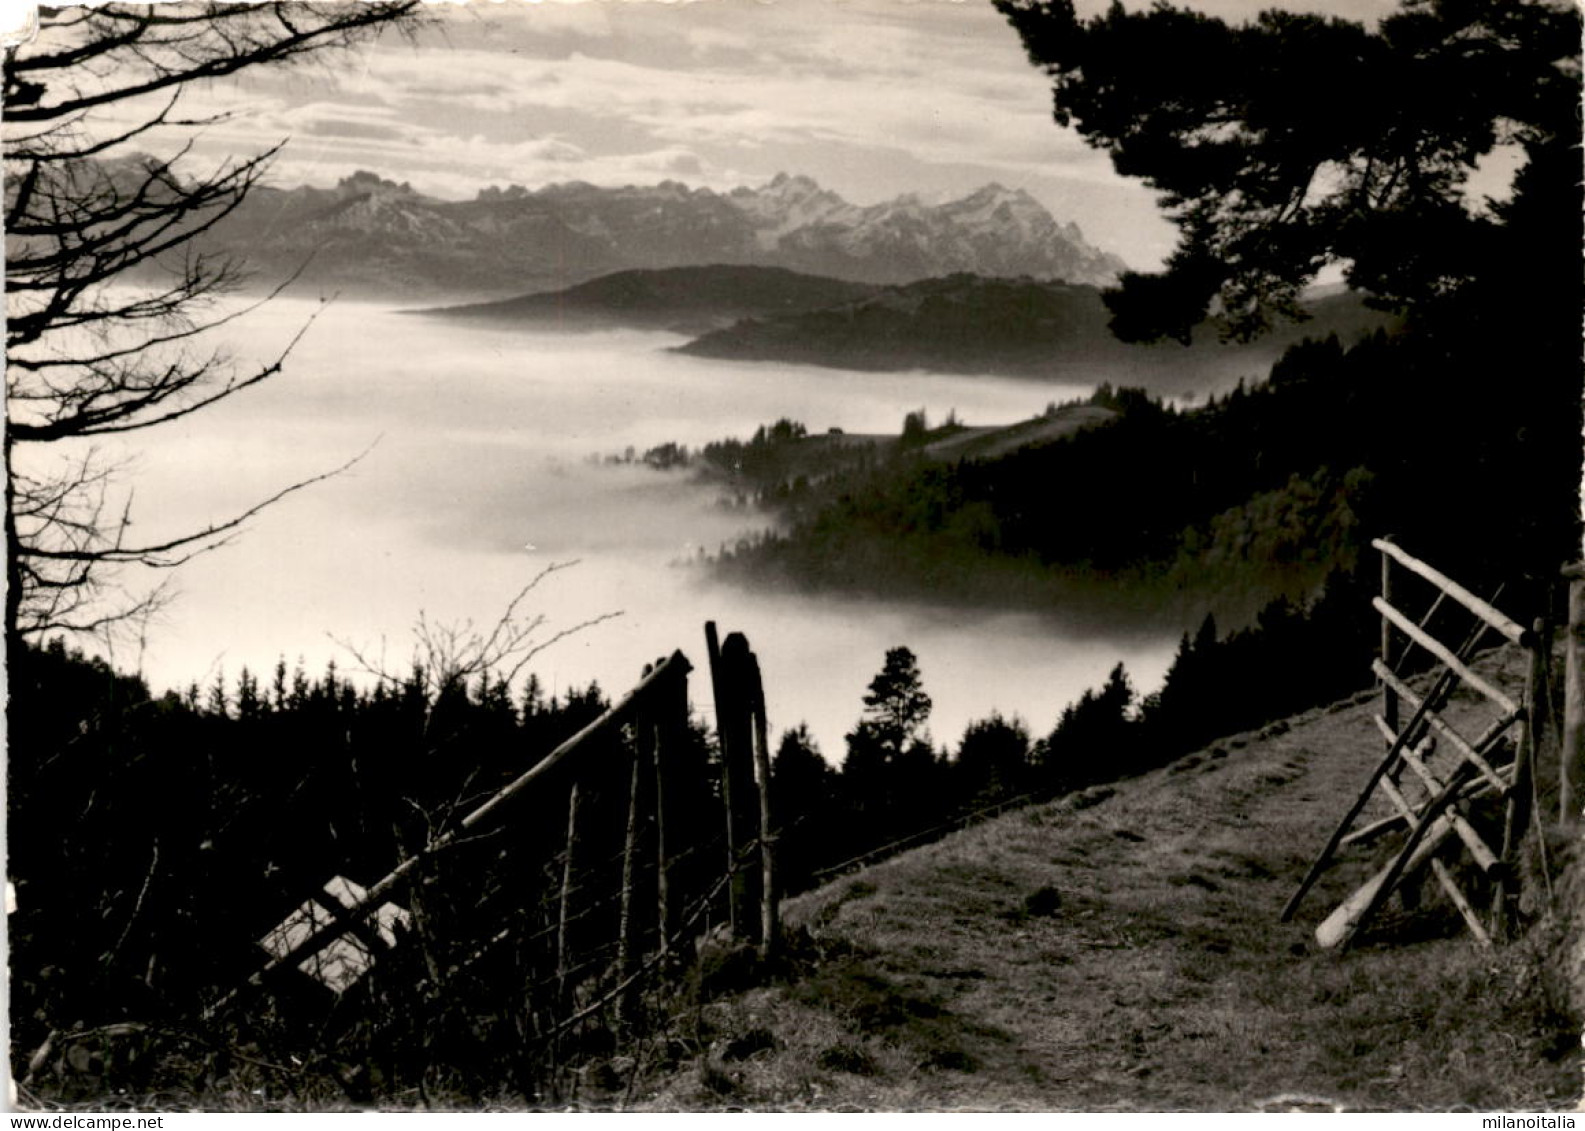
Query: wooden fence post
x: 770, y: 926
x: 741, y: 668
x: 671, y: 734
x: 1389, y: 697
x: 1517, y: 818
x: 731, y: 784
x: 1571, y: 754
x: 730, y: 660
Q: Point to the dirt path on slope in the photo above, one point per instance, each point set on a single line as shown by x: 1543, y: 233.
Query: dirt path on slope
x: 1121, y: 949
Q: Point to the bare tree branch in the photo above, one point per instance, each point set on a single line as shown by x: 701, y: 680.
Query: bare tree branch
x: 448, y: 656
x: 85, y: 215
x: 147, y: 34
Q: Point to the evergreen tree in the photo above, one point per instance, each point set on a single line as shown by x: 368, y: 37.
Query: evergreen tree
x: 801, y: 778
x: 1181, y: 714
x: 803, y: 792
x: 1268, y: 182
x: 1094, y: 740
x: 921, y: 787
x: 896, y: 705
x: 992, y: 762
x: 217, y: 701
x: 866, y: 778
x: 250, y: 705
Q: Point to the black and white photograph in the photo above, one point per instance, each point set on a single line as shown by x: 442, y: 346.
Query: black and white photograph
x: 928, y: 556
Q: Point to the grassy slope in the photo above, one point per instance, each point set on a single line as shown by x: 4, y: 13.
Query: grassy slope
x: 945, y: 978
x: 991, y: 442
x: 821, y: 453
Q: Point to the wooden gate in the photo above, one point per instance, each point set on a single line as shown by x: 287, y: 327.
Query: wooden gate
x: 1432, y: 773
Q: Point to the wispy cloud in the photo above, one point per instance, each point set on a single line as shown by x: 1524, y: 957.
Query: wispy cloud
x: 873, y: 97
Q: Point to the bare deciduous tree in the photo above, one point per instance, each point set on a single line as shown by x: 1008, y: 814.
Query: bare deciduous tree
x: 109, y: 305
x: 448, y: 657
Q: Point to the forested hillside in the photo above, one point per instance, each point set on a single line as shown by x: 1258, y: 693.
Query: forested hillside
x: 1024, y: 328
x: 1156, y: 511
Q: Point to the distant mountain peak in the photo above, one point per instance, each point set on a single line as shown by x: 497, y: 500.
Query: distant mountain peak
x: 496, y: 192
x: 789, y: 186
x: 363, y: 181
x: 798, y: 180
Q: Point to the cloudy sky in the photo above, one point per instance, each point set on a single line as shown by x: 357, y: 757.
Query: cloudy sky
x: 872, y: 98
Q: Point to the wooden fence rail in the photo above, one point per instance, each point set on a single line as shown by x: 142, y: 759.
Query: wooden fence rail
x: 1482, y: 609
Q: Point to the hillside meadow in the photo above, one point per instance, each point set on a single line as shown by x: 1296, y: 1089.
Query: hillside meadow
x: 1120, y: 949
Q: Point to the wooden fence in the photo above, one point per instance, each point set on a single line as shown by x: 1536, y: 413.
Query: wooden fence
x: 663, y: 890
x: 1433, y: 776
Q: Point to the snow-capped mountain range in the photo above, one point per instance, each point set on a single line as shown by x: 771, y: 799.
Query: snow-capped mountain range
x: 378, y: 237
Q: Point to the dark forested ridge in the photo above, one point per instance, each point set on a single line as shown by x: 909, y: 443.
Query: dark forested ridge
x: 1019, y: 327
x: 681, y: 299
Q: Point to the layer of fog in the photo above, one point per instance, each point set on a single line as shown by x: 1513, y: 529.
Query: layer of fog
x: 478, y: 474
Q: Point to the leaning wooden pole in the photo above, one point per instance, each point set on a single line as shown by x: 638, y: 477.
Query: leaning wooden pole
x: 627, y: 915
x: 1408, y: 859
x: 770, y: 925
x: 1388, y: 761
x: 564, y: 903
x: 660, y: 741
